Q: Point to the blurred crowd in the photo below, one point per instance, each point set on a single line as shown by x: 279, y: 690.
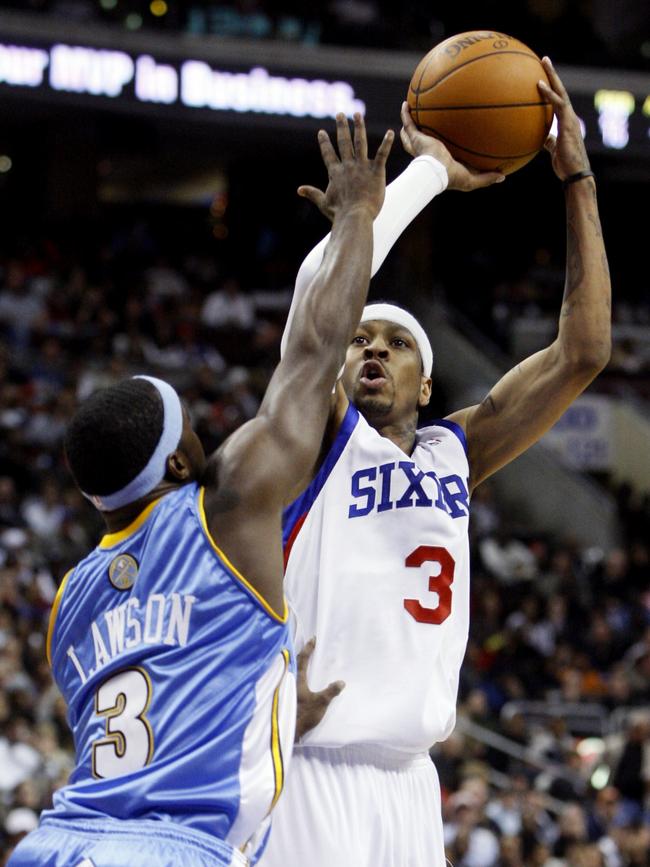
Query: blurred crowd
x: 549, y: 765
x: 581, y: 32
x: 551, y: 622
x: 558, y: 664
x: 519, y: 314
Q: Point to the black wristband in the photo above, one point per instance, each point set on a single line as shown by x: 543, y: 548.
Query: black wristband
x: 578, y: 176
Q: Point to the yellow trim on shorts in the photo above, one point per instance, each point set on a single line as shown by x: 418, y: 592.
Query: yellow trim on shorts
x: 282, y: 618
x: 276, y: 747
x: 111, y: 539
x: 53, y: 613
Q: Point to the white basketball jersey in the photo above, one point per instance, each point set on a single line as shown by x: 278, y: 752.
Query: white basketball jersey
x: 377, y: 556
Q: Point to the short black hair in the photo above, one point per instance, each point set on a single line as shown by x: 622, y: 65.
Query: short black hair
x: 112, y: 436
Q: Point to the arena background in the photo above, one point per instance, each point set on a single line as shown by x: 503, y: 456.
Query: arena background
x: 149, y: 156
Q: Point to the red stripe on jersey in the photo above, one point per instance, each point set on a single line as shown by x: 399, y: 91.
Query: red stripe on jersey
x: 293, y: 536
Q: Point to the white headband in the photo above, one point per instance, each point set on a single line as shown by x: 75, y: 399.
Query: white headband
x: 154, y: 472
x: 399, y: 316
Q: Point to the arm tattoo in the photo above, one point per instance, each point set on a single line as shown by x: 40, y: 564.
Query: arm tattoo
x: 593, y: 219
x: 605, y: 264
x: 488, y: 403
x: 406, y: 437
x: 575, y: 269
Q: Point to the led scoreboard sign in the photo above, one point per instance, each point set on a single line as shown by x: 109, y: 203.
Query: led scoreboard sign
x: 614, y: 120
x: 116, y: 75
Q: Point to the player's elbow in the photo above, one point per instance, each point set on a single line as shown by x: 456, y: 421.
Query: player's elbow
x: 313, y: 337
x: 588, y: 359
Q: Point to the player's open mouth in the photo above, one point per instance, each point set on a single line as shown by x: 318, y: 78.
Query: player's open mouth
x: 373, y: 375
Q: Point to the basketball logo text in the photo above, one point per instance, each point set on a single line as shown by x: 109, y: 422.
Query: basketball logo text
x: 454, y: 48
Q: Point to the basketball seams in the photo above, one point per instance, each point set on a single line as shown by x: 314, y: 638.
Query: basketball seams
x: 438, y: 135
x: 417, y: 92
x: 481, y: 107
x: 460, y: 66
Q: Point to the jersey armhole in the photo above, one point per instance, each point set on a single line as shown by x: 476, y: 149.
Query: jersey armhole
x: 296, y: 512
x: 454, y: 428
x: 223, y: 559
x: 53, y: 615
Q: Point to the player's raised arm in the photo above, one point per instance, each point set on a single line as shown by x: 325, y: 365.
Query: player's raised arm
x: 532, y: 397
x: 259, y: 466
x: 428, y: 175
x: 296, y: 402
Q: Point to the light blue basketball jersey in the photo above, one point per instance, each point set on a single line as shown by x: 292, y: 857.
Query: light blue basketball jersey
x: 179, y: 680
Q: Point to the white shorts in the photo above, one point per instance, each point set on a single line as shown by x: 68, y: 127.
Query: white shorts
x: 357, y: 806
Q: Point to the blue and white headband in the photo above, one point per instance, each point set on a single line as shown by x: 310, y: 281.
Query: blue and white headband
x: 154, y: 472
x: 399, y: 316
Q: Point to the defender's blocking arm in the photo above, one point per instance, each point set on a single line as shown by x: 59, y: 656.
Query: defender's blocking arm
x: 532, y: 397
x: 256, y: 469
x: 296, y: 403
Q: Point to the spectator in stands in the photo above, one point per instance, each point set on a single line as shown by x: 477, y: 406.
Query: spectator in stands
x: 468, y: 842
x: 572, y: 827
x: 21, y: 310
x: 9, y: 512
x: 228, y: 307
x: 510, y: 852
x: 631, y: 776
x: 44, y: 513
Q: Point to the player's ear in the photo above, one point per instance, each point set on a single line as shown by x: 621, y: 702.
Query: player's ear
x: 425, y: 391
x: 179, y: 466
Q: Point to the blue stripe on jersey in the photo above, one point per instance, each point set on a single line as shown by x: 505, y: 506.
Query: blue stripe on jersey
x: 302, y: 504
x: 453, y: 427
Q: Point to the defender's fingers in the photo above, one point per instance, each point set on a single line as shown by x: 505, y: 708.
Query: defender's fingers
x: 343, y: 137
x: 360, y: 137
x: 327, y: 149
x: 318, y: 198
x: 308, y: 649
x: 384, y: 148
x: 333, y: 689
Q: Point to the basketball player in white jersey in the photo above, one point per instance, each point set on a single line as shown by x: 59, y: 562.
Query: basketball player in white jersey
x: 376, y: 542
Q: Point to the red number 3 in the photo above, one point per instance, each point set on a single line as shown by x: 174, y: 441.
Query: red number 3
x: 440, y: 584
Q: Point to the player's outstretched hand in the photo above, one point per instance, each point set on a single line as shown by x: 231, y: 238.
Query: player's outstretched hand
x: 568, y: 152
x: 461, y: 177
x: 312, y: 705
x: 354, y: 180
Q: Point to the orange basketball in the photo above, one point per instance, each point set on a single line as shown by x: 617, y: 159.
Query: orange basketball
x: 477, y: 92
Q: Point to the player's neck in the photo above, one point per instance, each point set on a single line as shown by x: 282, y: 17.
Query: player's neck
x: 121, y: 518
x: 400, y: 433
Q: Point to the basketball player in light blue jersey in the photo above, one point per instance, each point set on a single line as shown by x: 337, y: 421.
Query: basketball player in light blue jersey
x: 170, y: 640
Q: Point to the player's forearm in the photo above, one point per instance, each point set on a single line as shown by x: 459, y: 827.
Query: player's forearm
x: 422, y: 180
x: 330, y: 307
x: 585, y: 318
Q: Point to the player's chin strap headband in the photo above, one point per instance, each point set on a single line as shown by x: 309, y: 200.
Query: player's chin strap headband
x: 154, y: 471
x: 399, y: 316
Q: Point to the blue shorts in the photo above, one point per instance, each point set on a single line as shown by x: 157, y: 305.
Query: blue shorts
x: 111, y: 843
